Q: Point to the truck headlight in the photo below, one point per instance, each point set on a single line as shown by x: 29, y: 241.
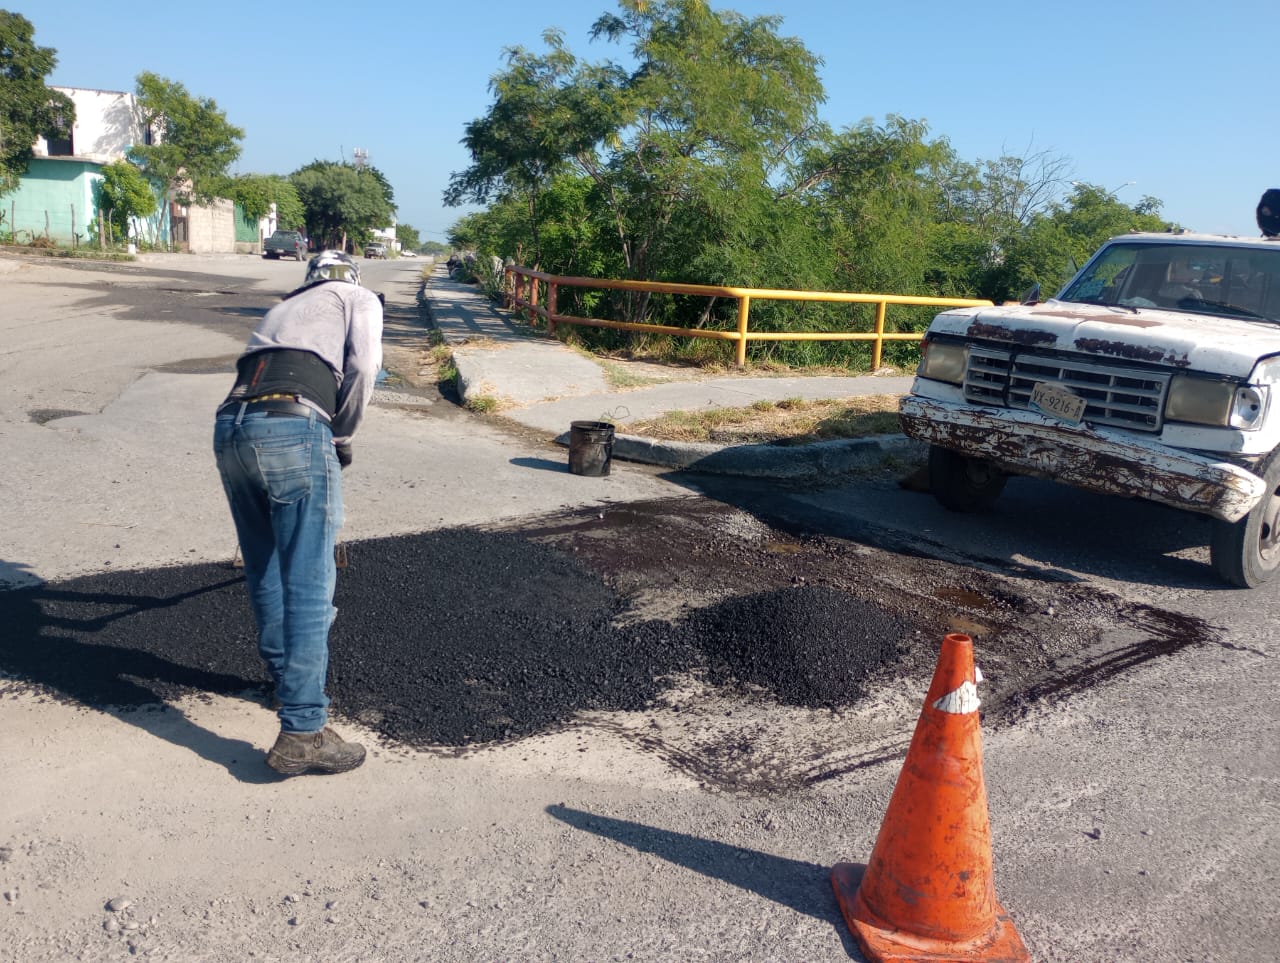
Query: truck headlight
x: 1222, y: 404
x: 1250, y: 406
x: 943, y: 361
x: 1253, y: 399
x: 1200, y: 401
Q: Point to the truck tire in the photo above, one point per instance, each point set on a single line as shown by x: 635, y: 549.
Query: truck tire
x: 1247, y: 553
x: 963, y: 484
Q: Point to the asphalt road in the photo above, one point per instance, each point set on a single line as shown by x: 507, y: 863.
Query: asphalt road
x: 1135, y: 814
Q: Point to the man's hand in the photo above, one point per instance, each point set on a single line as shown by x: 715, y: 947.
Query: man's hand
x: 344, y: 454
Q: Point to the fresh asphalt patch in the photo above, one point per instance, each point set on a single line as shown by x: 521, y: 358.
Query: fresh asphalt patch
x: 465, y: 637
x: 450, y: 638
x: 798, y: 643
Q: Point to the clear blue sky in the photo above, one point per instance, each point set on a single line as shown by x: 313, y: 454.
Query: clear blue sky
x: 1178, y: 98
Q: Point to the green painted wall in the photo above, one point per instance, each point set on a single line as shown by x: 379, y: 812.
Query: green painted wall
x: 54, y: 198
x: 246, y: 230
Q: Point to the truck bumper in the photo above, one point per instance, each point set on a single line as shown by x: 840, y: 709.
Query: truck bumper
x: 1097, y: 459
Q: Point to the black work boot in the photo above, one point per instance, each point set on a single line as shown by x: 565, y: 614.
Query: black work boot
x: 323, y: 751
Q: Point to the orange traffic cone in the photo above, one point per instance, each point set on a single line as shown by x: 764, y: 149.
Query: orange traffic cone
x: 927, y: 893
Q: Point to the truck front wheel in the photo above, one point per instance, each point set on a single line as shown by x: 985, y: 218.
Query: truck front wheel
x: 963, y: 484
x: 1247, y: 553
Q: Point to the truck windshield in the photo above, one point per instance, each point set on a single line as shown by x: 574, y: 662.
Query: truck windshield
x: 1210, y: 279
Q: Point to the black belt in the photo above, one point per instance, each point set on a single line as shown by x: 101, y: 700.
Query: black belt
x: 274, y: 406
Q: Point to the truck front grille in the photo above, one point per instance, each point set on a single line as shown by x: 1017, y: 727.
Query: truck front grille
x: 1114, y: 395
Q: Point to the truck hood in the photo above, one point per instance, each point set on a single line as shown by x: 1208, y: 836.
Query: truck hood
x: 1193, y: 342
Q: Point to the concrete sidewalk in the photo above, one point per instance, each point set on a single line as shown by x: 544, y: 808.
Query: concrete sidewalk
x: 546, y: 385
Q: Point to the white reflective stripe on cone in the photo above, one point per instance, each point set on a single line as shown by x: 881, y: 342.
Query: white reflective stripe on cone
x: 960, y: 701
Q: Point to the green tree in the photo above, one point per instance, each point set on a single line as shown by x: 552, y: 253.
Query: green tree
x: 195, y: 144
x: 28, y: 109
x: 699, y: 157
x: 676, y: 149
x: 465, y: 233
x: 986, y: 210
x: 256, y: 193
x: 343, y: 204
x: 910, y: 217
x: 408, y: 237
x: 713, y: 117
x: 289, y: 210
x: 1061, y: 239
x: 568, y: 236
x: 124, y: 196
x: 539, y: 120
x: 878, y: 189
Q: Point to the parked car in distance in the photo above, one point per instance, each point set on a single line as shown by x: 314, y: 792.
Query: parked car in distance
x: 285, y: 244
x: 376, y: 249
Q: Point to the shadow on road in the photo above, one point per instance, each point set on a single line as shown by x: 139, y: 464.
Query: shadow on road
x: 799, y: 886
x: 47, y: 642
x: 1038, y: 530
x: 541, y: 464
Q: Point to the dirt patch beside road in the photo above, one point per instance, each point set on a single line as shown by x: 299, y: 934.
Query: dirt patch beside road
x: 795, y: 421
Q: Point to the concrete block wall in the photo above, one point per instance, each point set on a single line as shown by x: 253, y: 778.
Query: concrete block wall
x: 212, y: 229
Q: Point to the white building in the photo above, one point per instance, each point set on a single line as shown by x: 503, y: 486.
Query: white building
x: 106, y: 126
x: 387, y: 235
x: 56, y: 197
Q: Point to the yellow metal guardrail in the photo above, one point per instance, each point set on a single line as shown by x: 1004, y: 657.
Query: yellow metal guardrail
x: 523, y: 286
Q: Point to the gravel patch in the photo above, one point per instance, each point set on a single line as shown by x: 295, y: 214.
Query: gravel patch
x: 808, y: 646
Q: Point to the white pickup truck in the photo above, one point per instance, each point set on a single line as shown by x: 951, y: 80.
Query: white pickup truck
x: 1155, y: 373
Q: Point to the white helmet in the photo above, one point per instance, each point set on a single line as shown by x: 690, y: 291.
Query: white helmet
x: 332, y: 266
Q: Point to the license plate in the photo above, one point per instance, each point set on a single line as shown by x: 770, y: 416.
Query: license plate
x: 1057, y: 402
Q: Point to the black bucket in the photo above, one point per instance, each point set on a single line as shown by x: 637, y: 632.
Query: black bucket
x: 590, y: 447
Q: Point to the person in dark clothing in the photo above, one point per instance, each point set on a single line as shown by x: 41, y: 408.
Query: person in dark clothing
x: 281, y: 439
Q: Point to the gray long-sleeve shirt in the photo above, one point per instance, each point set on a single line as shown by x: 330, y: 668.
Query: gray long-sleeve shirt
x: 340, y: 322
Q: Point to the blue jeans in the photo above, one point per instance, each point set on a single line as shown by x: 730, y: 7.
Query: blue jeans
x: 284, y: 486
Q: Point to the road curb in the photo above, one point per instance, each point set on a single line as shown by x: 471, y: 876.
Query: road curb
x: 787, y: 461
